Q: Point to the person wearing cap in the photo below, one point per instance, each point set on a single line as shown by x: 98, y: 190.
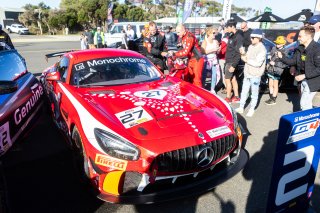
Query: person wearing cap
x: 275, y: 69
x: 4, y: 37
x: 307, y: 60
x: 99, y: 38
x: 315, y: 22
x: 255, y: 63
x: 233, y: 58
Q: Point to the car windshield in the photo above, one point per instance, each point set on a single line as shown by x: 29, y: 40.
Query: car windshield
x: 12, y: 65
x: 113, y: 71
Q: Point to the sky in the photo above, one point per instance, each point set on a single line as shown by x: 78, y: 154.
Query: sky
x: 282, y: 8
x: 21, y: 3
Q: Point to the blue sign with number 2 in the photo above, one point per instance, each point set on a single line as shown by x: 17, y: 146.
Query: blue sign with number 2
x: 296, y: 162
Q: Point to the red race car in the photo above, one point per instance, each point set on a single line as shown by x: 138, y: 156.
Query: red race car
x: 141, y: 136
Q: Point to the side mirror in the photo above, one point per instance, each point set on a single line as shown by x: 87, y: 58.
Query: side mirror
x: 7, y: 87
x: 53, y: 76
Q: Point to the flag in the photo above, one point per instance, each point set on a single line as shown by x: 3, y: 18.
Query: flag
x: 226, y: 11
x: 110, y: 7
x: 187, y: 9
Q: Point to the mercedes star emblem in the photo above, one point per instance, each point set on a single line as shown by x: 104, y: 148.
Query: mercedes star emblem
x: 205, y: 156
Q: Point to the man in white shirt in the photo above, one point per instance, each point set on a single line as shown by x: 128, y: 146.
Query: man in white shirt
x: 130, y: 36
x: 315, y: 22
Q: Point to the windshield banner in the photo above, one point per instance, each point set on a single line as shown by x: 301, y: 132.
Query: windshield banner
x: 296, y: 162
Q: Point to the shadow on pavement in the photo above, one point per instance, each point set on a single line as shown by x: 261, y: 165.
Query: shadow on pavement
x: 259, y: 170
x: 39, y: 174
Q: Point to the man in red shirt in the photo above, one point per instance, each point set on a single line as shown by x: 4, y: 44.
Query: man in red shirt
x: 191, y: 50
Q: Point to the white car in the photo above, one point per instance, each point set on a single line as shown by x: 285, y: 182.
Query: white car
x: 18, y: 28
x: 114, y: 35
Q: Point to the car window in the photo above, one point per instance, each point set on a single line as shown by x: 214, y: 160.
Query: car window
x: 113, y: 71
x: 134, y: 27
x: 117, y: 29
x: 63, y: 68
x: 12, y: 65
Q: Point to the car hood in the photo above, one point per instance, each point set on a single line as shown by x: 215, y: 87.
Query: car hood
x: 161, y: 110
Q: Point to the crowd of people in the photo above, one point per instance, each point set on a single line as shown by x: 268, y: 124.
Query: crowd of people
x: 224, y: 52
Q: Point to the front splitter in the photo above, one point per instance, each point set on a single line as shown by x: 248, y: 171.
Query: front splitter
x: 193, y: 189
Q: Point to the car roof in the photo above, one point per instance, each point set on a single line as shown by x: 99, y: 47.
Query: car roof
x: 83, y: 55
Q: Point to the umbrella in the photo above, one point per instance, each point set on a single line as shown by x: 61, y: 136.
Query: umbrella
x: 303, y: 16
x: 266, y: 17
x: 235, y: 17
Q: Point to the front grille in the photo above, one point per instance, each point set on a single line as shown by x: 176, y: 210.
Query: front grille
x: 186, y: 159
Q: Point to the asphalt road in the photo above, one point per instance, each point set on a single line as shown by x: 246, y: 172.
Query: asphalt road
x: 38, y: 172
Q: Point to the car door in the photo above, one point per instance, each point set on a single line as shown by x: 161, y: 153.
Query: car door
x: 58, y: 96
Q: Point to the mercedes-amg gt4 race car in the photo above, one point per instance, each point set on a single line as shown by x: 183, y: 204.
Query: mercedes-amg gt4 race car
x: 141, y: 136
x: 21, y: 97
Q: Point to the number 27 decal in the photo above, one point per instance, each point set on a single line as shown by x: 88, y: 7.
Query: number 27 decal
x: 133, y: 117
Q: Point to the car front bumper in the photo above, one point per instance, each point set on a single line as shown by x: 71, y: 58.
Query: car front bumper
x: 177, y: 187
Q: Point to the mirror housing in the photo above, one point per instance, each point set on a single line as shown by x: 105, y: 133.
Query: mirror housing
x: 7, y: 87
x: 53, y: 76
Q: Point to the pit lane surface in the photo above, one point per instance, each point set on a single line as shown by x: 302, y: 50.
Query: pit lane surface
x: 38, y: 174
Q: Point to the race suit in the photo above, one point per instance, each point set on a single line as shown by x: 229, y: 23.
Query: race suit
x: 156, y: 45
x: 191, y: 49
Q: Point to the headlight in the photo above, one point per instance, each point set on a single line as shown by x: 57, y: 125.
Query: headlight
x: 235, y: 119
x: 116, y: 146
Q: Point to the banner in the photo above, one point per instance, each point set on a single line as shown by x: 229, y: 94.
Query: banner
x: 187, y: 9
x: 226, y: 11
x: 296, y: 162
x: 110, y: 7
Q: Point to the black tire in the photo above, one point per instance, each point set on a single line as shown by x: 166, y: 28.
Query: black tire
x: 79, y: 156
x: 80, y: 162
x: 9, y: 31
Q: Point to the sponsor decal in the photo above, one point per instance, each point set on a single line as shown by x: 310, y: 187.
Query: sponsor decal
x: 181, y: 113
x: 5, y: 140
x: 97, y: 62
x: 218, y: 131
x: 110, y: 162
x: 26, y: 108
x: 133, y: 117
x: 303, y: 130
x: 79, y: 66
x: 302, y: 118
x: 154, y: 94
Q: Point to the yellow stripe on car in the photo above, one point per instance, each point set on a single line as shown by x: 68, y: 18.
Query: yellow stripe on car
x: 113, y: 182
